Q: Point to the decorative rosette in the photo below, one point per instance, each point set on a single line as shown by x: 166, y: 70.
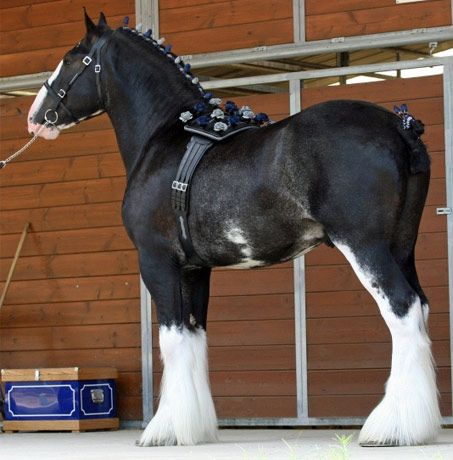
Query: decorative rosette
x: 406, y: 117
x: 221, y: 119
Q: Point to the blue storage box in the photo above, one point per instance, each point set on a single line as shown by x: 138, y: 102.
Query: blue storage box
x: 60, y: 399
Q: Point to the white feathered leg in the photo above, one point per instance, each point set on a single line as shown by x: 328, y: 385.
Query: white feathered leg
x: 186, y: 414
x: 409, y: 412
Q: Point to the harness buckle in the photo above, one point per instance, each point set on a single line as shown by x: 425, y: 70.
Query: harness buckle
x: 180, y: 186
x: 97, y: 68
x: 87, y: 60
x: 61, y: 93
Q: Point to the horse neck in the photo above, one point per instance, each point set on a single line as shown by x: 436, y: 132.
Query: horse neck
x: 145, y: 95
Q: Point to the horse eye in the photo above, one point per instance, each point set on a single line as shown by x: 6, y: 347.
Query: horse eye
x: 66, y: 61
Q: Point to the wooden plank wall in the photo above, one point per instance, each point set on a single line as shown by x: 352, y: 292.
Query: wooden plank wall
x: 349, y: 349
x: 74, y: 300
x: 345, y: 18
x: 201, y: 26
x: 34, y: 35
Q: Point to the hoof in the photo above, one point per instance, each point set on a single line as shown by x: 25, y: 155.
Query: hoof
x: 379, y: 444
x: 153, y: 443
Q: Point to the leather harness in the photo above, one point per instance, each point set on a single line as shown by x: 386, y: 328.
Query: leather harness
x: 199, y: 144
x: 58, y: 96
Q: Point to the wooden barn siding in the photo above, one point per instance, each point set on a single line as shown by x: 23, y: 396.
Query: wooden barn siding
x: 75, y: 295
x: 35, y: 35
x: 345, y: 18
x: 349, y: 349
x: 200, y: 26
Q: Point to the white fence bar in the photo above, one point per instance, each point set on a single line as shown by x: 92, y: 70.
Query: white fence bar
x: 299, y: 294
x: 334, y: 45
x: 448, y: 126
x: 321, y: 73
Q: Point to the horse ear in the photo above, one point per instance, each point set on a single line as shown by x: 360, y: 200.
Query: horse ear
x: 102, y: 23
x: 89, y: 24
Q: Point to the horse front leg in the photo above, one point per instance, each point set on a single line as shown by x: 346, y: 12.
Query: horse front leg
x: 186, y: 414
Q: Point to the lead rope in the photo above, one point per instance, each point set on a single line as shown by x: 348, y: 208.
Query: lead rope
x: 3, y: 163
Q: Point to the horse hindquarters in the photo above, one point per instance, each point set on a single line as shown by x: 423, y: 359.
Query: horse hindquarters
x: 186, y: 413
x: 409, y: 412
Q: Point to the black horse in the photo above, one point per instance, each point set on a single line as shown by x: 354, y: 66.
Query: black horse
x: 343, y: 173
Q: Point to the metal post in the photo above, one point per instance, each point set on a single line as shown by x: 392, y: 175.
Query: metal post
x: 299, y: 294
x: 299, y: 21
x: 448, y: 127
x: 147, y: 14
x: 343, y: 61
x: 147, y: 353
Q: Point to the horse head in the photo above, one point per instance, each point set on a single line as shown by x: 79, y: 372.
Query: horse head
x: 73, y: 92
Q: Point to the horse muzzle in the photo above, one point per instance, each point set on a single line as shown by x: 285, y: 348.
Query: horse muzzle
x: 46, y: 129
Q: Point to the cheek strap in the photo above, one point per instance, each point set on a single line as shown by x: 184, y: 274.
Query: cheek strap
x: 63, y: 91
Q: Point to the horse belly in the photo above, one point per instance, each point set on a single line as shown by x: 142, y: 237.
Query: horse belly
x: 267, y: 247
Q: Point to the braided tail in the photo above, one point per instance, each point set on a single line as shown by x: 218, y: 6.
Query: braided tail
x: 410, y: 130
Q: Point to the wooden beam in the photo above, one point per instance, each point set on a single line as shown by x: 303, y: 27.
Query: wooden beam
x: 13, y: 265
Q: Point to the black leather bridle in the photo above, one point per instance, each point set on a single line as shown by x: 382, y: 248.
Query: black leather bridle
x: 58, y: 96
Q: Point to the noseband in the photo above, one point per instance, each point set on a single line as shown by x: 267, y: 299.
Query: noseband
x: 58, y: 96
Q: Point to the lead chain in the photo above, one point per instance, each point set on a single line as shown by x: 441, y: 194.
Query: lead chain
x: 3, y: 163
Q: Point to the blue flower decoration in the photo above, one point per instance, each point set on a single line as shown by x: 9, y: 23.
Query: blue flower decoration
x: 207, y: 96
x: 234, y: 120
x: 230, y: 106
x: 261, y: 117
x: 203, y: 120
x: 199, y: 107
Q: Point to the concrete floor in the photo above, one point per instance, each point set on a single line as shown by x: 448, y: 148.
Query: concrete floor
x: 243, y: 444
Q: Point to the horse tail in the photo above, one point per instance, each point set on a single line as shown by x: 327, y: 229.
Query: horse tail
x: 417, y: 186
x: 410, y: 131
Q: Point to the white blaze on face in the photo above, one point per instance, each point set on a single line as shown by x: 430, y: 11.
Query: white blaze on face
x: 35, y: 128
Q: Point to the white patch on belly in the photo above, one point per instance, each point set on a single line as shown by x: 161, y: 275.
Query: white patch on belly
x: 247, y: 263
x: 302, y: 253
x: 314, y: 233
x: 236, y: 236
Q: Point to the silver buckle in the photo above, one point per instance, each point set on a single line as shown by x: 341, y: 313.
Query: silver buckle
x: 180, y: 186
x: 97, y: 68
x: 61, y: 93
x: 87, y: 60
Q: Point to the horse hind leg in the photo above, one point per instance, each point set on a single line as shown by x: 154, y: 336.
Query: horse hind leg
x: 409, y: 412
x: 406, y: 232
x: 407, y: 266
